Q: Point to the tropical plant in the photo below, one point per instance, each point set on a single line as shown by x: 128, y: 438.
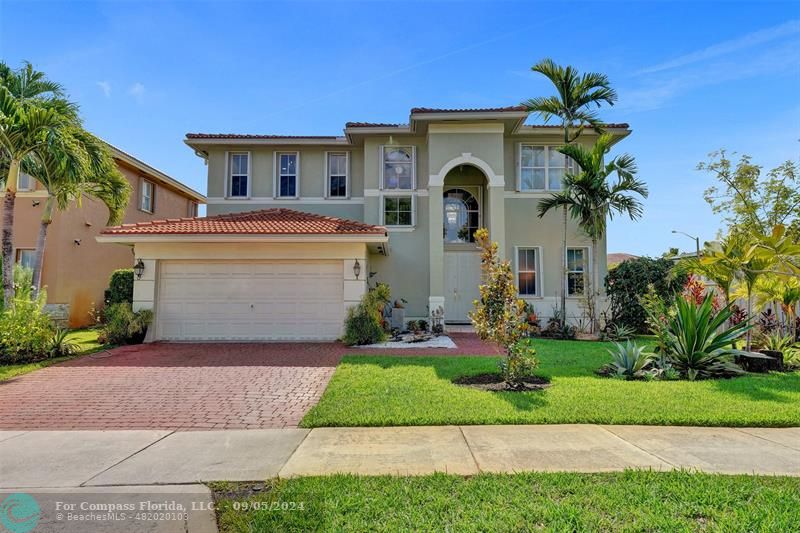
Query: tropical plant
x: 33, y: 114
x: 575, y: 104
x: 631, y: 280
x: 500, y: 316
x: 123, y: 325
x: 775, y: 341
x: 630, y: 360
x: 69, y: 167
x: 698, y: 343
x: 592, y: 200
x: 364, y: 322
x: 618, y: 332
x: 60, y: 345
x: 25, y: 329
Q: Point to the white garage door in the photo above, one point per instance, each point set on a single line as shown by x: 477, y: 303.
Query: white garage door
x: 250, y: 300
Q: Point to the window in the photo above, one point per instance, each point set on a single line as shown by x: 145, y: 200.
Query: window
x: 26, y: 257
x: 147, y: 196
x: 527, y: 270
x: 541, y: 168
x: 25, y: 182
x: 576, y: 271
x: 462, y: 216
x: 397, y: 210
x: 192, y: 209
x: 337, y: 174
x: 239, y: 184
x: 398, y: 168
x: 287, y: 175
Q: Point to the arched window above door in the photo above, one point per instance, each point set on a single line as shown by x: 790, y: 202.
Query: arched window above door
x: 462, y: 216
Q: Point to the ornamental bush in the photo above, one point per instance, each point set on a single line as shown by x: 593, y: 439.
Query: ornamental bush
x: 25, y: 329
x: 121, y: 325
x: 629, y: 282
x: 120, y: 287
x: 364, y: 322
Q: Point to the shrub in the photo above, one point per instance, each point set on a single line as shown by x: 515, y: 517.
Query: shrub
x: 500, y: 316
x: 558, y: 329
x: 630, y: 360
x: 698, y: 344
x: 617, y: 332
x: 364, y: 322
x: 25, y: 332
x: 121, y: 325
x: 775, y: 341
x: 629, y: 281
x: 120, y: 287
x: 60, y: 345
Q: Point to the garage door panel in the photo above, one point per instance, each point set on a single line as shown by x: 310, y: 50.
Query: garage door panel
x: 250, y: 300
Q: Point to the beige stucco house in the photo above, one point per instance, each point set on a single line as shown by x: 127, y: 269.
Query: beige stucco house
x: 420, y: 189
x: 76, y: 268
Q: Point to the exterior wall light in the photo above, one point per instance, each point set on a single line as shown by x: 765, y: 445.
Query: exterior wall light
x: 356, y: 269
x: 138, y: 269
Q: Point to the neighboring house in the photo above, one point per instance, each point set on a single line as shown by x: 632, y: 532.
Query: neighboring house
x: 614, y: 259
x: 76, y: 268
x: 402, y: 201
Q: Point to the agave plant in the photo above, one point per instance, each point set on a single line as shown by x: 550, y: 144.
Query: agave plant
x: 776, y: 342
x: 629, y: 360
x: 60, y: 345
x: 698, y: 344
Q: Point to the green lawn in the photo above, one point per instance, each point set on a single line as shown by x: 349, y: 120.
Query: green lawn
x: 626, y: 501
x: 86, y: 339
x: 396, y: 391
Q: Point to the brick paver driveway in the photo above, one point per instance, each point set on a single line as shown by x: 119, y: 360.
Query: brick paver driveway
x: 184, y: 386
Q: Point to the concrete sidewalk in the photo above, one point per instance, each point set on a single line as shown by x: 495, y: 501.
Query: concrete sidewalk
x: 64, y: 459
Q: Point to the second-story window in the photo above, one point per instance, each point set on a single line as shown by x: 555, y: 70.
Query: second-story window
x: 398, y: 167
x: 25, y: 182
x: 147, y: 196
x: 542, y: 168
x: 239, y: 175
x: 287, y: 175
x: 337, y: 174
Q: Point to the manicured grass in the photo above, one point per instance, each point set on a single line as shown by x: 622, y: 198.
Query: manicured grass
x: 626, y: 501
x: 86, y: 339
x: 397, y: 391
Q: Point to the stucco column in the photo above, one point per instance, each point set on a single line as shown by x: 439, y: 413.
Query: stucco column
x: 497, y: 217
x: 436, y: 247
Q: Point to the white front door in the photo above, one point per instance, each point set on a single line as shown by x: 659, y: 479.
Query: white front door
x: 462, y: 275
x: 250, y: 300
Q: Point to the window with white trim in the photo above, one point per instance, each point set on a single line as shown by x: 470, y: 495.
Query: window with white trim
x: 528, y: 271
x: 398, y: 168
x: 337, y: 174
x: 577, y: 266
x: 239, y: 179
x: 147, y: 196
x: 25, y: 182
x: 542, y: 168
x: 398, y: 210
x: 287, y: 175
x: 26, y: 257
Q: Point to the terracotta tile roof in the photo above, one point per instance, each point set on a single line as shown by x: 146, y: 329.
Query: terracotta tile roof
x: 277, y: 221
x: 421, y: 110
x: 373, y: 125
x: 249, y: 136
x: 622, y: 125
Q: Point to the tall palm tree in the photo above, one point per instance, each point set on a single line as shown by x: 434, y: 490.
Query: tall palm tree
x: 592, y: 199
x: 33, y: 113
x: 84, y: 168
x: 579, y: 96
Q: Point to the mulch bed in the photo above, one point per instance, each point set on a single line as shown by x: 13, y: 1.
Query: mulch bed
x: 495, y: 383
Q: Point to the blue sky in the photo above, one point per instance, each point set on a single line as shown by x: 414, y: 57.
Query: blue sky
x: 692, y: 76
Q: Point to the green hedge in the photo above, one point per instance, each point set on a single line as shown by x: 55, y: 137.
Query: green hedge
x: 120, y: 287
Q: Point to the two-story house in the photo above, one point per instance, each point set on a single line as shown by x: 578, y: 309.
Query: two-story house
x: 76, y: 268
x: 297, y: 224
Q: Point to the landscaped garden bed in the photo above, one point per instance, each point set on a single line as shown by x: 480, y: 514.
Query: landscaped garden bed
x: 629, y: 501
x: 376, y: 391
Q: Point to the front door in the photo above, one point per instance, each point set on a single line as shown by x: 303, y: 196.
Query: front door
x: 462, y: 274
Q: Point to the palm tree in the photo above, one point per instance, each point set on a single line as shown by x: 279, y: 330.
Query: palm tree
x: 33, y: 114
x: 592, y: 200
x: 70, y: 174
x: 577, y: 95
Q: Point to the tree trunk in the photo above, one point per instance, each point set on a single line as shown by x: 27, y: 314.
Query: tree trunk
x: 7, y: 241
x: 564, y: 272
x: 749, y: 316
x: 47, y: 219
x: 595, y: 288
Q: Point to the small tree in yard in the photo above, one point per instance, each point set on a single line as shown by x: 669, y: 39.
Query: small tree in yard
x: 500, y: 316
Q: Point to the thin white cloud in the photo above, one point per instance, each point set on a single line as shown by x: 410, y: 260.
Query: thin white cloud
x: 137, y: 90
x: 105, y: 87
x: 766, y: 35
